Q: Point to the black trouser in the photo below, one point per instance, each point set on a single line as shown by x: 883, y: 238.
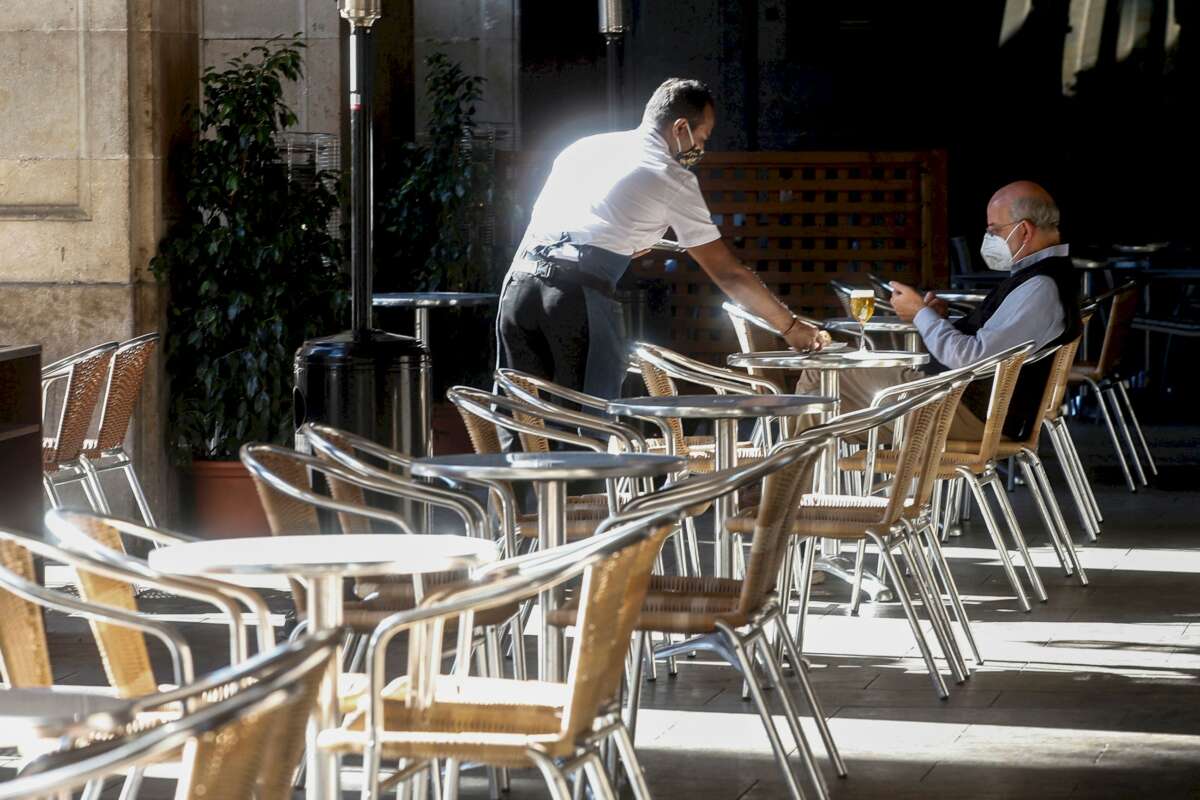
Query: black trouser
x: 544, y: 329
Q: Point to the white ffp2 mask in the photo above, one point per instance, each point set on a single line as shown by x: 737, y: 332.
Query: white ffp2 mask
x: 995, y: 251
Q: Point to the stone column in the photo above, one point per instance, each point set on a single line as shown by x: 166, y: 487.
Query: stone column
x: 91, y: 101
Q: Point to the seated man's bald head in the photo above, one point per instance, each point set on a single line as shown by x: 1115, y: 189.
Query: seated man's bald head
x: 1025, y: 215
x: 1026, y: 200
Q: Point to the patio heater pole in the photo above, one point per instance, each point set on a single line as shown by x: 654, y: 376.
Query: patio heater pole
x: 613, y: 27
x: 361, y: 14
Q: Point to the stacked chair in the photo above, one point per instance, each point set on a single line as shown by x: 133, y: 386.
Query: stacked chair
x: 108, y: 376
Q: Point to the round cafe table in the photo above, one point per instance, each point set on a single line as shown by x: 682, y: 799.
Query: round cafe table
x: 59, y: 712
x: 830, y: 367
x: 725, y: 411
x: 322, y: 562
x: 549, y: 474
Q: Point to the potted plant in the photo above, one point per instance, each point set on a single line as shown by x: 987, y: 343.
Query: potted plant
x: 252, y: 270
x: 430, y: 234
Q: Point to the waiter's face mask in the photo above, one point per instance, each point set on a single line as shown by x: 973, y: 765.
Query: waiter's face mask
x: 691, y: 156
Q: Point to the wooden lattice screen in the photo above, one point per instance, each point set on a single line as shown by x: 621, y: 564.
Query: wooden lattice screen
x: 800, y: 219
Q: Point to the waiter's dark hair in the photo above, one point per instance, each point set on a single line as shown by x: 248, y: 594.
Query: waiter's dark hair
x: 675, y: 98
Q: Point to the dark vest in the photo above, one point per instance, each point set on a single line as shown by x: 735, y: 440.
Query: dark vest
x: 1031, y: 383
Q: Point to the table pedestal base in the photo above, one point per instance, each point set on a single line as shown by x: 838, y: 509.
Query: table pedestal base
x: 323, y: 780
x: 843, y: 568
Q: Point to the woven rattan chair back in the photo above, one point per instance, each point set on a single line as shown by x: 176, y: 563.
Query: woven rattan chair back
x: 485, y: 437
x: 86, y: 374
x: 928, y: 464
x: 1120, y: 322
x: 753, y: 339
x: 1061, y: 373
x: 529, y: 442
x: 24, y: 651
x: 344, y: 491
x: 781, y: 493
x: 125, y: 378
x: 286, y: 515
x: 920, y: 431
x: 123, y: 650
x: 1056, y: 386
x: 255, y: 755
x: 1003, y: 384
x: 659, y: 384
x: 611, y: 598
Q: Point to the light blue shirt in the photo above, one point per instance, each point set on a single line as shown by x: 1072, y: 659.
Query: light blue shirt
x: 1032, y: 311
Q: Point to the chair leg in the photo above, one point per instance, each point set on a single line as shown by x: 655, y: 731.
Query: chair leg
x: 934, y: 609
x: 993, y: 529
x: 450, y: 780
x: 91, y: 483
x: 693, y: 542
x: 633, y: 768
x: 805, y: 573
x: 860, y: 566
x: 132, y: 784
x: 1137, y: 427
x: 792, y: 714
x: 1018, y: 537
x: 1082, y: 506
x: 139, y: 495
x: 1039, y: 471
x: 517, y: 637
x: 641, y: 647
x: 1112, y: 434
x: 602, y: 788
x: 939, y: 685
x: 746, y: 664
x: 556, y: 782
x: 1069, y: 441
x: 51, y: 491
x: 947, y: 578
x: 810, y: 697
x: 1110, y: 393
x: 681, y: 563
x: 1052, y: 532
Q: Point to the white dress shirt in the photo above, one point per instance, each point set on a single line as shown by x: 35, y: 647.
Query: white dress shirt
x: 1030, y: 311
x: 620, y: 192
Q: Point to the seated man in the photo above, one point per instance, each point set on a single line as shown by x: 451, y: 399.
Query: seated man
x: 1039, y: 301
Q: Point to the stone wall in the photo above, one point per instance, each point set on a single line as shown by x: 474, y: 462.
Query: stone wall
x: 230, y: 27
x: 91, y: 99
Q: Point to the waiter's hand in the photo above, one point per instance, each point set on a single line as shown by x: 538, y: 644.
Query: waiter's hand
x: 906, y: 300
x: 803, y: 336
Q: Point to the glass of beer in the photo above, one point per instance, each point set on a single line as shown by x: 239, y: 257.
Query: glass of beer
x: 862, y: 307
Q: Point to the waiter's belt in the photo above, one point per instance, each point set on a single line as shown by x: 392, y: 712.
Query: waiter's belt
x: 563, y: 272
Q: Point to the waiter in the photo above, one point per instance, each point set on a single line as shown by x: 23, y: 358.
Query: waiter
x: 610, y: 197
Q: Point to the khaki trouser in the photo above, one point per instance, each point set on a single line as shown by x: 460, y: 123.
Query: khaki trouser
x: 857, y: 388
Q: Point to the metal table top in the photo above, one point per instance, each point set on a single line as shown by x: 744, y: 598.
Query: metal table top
x: 432, y: 299
x: 880, y: 324
x: 852, y: 359
x: 564, y: 466
x: 961, y: 297
x: 48, y: 713
x: 317, y: 555
x: 716, y: 406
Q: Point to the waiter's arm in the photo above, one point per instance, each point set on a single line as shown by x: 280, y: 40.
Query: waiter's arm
x: 744, y: 288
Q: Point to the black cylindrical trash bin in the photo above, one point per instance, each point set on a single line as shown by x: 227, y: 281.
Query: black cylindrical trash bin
x: 369, y: 385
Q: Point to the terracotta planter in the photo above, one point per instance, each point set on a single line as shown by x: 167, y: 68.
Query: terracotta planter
x: 449, y: 433
x: 224, y: 502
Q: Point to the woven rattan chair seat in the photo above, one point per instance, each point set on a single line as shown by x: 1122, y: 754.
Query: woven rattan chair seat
x: 842, y: 516
x: 885, y: 461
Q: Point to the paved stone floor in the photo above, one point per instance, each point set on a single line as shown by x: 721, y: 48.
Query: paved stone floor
x: 1091, y: 695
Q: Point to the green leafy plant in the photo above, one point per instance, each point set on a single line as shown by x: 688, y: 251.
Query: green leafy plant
x: 430, y: 221
x: 251, y: 265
